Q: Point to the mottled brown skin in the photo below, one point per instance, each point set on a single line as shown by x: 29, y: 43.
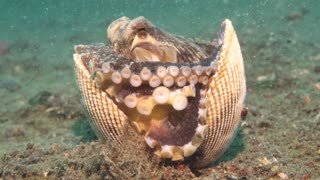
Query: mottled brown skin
x: 122, y: 40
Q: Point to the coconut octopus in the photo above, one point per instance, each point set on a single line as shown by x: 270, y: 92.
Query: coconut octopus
x: 184, y: 98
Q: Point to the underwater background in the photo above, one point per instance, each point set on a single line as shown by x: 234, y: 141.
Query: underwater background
x: 43, y: 126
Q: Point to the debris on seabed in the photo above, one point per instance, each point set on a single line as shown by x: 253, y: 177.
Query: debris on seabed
x: 306, y: 99
x: 265, y: 161
x: 317, y: 85
x: 282, y: 175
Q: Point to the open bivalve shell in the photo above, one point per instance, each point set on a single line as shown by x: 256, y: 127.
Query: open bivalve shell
x: 184, y: 98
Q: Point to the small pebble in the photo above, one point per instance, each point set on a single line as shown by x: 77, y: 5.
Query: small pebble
x: 317, y: 69
x: 56, y: 149
x: 41, y: 98
x: 29, y: 146
x: 4, y: 49
x: 9, y: 84
x: 14, y: 132
x: 310, y: 164
x: 294, y: 16
x: 306, y: 176
x: 231, y: 168
x: 264, y: 124
x: 306, y: 99
x: 317, y: 85
x: 283, y: 175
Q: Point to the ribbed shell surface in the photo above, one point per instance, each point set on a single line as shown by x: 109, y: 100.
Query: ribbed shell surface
x: 225, y: 98
x: 106, y: 118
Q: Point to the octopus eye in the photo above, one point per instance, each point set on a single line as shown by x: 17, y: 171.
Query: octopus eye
x: 141, y: 30
x: 142, y: 33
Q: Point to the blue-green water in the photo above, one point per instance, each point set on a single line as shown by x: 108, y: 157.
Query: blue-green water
x: 55, y: 26
x: 279, y: 39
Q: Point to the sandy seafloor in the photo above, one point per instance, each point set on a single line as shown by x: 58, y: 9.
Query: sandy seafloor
x: 43, y: 128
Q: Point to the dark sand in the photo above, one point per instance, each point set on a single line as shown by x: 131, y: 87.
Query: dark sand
x: 44, y: 129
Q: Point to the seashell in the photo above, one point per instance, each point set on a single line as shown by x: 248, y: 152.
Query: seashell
x: 190, y: 101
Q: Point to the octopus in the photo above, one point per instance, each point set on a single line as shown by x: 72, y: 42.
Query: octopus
x: 184, y: 98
